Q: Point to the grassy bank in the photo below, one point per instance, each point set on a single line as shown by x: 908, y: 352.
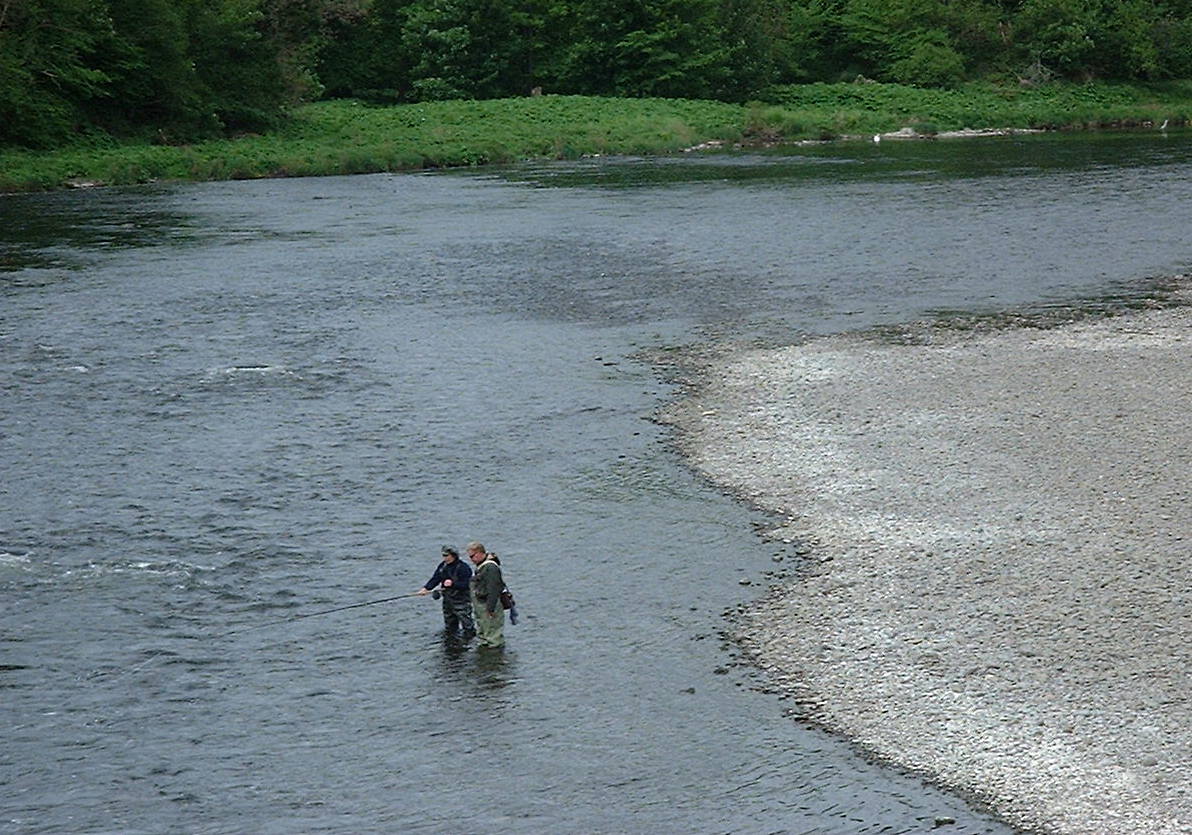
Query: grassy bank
x: 834, y: 109
x: 345, y: 137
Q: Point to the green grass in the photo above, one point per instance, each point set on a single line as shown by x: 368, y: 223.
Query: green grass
x: 347, y: 137
x: 836, y: 109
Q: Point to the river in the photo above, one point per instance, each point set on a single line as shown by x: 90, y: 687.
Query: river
x: 226, y: 406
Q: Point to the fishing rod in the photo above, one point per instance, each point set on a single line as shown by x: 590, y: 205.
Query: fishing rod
x: 162, y: 653
x: 323, y: 612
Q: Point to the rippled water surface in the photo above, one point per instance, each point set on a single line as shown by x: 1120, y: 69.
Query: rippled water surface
x: 228, y: 404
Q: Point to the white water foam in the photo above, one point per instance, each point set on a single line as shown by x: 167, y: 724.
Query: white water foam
x: 15, y: 560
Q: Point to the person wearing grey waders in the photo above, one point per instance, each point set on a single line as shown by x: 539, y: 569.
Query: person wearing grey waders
x: 486, y: 596
x: 453, y: 577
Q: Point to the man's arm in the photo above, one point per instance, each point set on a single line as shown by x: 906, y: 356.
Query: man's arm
x: 434, y: 580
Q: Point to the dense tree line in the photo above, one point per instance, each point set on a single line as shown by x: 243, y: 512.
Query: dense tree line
x: 176, y: 68
x: 187, y: 68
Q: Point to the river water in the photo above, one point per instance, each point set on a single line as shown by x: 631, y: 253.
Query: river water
x: 226, y: 405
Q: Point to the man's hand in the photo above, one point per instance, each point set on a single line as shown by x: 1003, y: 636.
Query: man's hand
x: 424, y: 590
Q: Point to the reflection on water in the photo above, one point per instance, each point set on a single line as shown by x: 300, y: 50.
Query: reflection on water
x: 273, y: 398
x: 920, y: 161
x: 476, y: 674
x: 64, y: 231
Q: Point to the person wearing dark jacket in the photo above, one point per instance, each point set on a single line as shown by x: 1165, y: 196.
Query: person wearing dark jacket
x: 454, y: 578
x: 486, y: 596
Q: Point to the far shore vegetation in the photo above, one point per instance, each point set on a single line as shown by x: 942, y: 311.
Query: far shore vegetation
x: 128, y: 91
x: 346, y: 136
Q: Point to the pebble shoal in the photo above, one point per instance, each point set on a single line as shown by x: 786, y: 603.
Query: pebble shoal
x: 998, y: 592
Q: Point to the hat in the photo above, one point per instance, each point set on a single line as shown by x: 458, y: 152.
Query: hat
x: 447, y: 549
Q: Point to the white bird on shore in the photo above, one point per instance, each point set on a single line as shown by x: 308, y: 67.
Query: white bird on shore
x: 877, y: 137
x: 1164, y: 125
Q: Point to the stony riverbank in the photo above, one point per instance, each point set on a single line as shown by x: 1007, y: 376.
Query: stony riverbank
x: 998, y: 593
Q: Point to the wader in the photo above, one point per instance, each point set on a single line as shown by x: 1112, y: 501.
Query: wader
x: 490, y: 628
x: 457, y: 613
x: 486, y: 584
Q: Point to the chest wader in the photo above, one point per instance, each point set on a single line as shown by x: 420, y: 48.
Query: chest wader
x: 457, y: 613
x: 489, y: 627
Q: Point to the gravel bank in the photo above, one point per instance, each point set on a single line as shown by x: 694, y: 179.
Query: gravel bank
x: 999, y: 592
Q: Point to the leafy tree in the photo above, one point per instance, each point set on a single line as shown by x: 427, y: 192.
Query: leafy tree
x: 362, y: 53
x: 175, y: 69
x: 756, y: 43
x: 437, y: 37
x: 821, y: 47
x: 242, y: 73
x: 1124, y: 32
x: 46, y: 67
x: 472, y: 48
x: 154, y: 81
x: 927, y: 59
x: 652, y: 48
x: 293, y: 31
x: 1056, y: 34
x: 1173, y: 41
x: 904, y: 40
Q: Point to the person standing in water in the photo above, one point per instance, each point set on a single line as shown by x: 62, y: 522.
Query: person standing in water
x: 487, y: 584
x: 454, y: 578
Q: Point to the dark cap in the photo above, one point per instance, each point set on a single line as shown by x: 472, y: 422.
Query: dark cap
x: 447, y: 549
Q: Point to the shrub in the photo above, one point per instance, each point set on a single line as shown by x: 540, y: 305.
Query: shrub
x: 773, y: 123
x: 929, y: 61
